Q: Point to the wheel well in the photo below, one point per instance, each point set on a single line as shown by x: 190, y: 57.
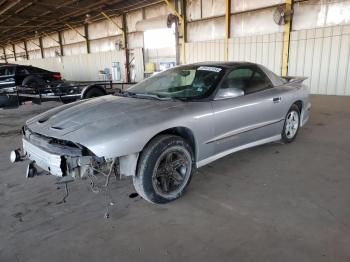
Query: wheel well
x: 299, y: 104
x: 183, y: 132
x: 92, y: 87
x: 97, y: 87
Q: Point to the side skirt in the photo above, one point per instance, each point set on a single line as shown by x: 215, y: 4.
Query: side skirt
x: 236, y: 149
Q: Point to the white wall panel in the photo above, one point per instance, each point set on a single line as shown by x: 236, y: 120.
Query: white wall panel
x: 75, y: 49
x: 193, y: 11
x: 157, y: 10
x: 132, y: 18
x: 104, y: 44
x: 87, y: 66
x: 262, y: 49
x: 320, y: 13
x: 212, y: 8
x: 71, y: 36
x: 256, y: 22
x: 206, y: 30
x: 135, y: 40
x: 50, y: 41
x: 20, y: 56
x: 33, y: 44
x: 9, y: 50
x: 35, y: 54
x: 105, y: 28
x: 137, y: 54
x: 323, y: 55
x: 51, y: 52
x: 244, y: 5
x: 47, y: 63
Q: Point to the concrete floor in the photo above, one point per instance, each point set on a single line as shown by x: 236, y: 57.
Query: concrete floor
x: 272, y: 203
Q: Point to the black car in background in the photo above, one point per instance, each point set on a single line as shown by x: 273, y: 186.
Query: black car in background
x: 12, y: 75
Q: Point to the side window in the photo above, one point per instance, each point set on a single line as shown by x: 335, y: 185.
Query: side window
x: 258, y: 82
x: 21, y: 70
x: 6, y: 71
x: 249, y: 79
x: 2, y: 71
x: 238, y: 78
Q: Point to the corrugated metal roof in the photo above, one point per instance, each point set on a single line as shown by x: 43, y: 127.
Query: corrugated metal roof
x: 23, y: 19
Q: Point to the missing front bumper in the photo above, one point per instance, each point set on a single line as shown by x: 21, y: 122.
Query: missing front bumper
x: 58, y: 164
x: 45, y: 160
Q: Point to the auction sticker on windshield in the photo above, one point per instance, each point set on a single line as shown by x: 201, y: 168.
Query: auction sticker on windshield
x: 210, y: 68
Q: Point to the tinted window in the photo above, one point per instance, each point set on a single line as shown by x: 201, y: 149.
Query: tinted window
x: 5, y: 71
x: 250, y: 80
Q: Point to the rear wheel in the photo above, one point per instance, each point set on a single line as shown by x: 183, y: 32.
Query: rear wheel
x: 164, y: 170
x: 291, y: 124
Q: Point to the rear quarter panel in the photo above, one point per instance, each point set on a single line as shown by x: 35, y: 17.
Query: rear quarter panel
x: 292, y: 93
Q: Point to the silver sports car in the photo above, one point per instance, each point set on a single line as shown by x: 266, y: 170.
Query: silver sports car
x: 161, y: 129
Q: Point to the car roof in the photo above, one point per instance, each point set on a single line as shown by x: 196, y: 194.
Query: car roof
x: 275, y: 79
x: 7, y: 65
x: 225, y: 64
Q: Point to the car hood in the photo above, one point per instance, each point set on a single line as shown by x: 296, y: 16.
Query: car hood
x: 100, y: 113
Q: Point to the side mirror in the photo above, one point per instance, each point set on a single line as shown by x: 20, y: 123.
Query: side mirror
x: 230, y: 92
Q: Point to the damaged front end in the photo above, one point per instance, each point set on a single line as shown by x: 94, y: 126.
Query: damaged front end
x: 62, y: 158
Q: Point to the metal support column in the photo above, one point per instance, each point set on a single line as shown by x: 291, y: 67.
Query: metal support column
x: 86, y: 33
x: 5, y: 57
x: 26, y: 49
x: 60, y: 43
x: 286, y: 38
x: 41, y: 47
x: 14, y: 52
x: 125, y: 40
x: 182, y: 19
x: 228, y: 27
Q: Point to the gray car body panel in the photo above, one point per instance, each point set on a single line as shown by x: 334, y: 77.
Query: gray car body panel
x: 114, y: 126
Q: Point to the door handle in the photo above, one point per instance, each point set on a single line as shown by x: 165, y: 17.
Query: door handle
x: 276, y: 99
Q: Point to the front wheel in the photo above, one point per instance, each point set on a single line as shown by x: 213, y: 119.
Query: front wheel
x: 164, y: 169
x: 291, y: 124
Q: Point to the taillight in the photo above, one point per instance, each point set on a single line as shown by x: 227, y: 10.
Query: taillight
x: 57, y: 76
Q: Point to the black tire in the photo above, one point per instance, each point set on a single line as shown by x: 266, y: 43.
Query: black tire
x: 292, y: 135
x: 94, y: 92
x: 33, y: 82
x: 146, y: 182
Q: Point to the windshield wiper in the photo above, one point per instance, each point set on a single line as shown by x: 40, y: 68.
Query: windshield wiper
x: 155, y: 96
x: 124, y: 93
x: 150, y: 95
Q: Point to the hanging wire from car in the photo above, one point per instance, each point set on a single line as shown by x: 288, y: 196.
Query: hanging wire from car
x: 64, y: 180
x: 65, y: 196
x: 105, y: 186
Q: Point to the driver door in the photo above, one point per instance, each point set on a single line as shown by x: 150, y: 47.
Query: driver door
x: 254, y: 116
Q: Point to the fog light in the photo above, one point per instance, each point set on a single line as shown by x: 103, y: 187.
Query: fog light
x: 15, y: 156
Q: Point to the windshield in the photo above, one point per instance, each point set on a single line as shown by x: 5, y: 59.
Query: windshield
x: 180, y: 82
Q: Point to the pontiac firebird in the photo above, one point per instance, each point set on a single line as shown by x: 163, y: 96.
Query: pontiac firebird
x: 161, y: 129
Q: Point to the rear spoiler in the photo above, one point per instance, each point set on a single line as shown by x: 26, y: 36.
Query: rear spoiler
x: 295, y: 79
